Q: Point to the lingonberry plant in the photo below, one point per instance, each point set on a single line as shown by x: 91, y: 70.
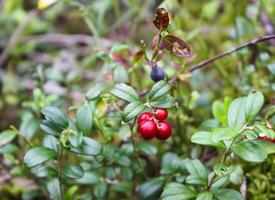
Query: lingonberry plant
x: 102, y: 148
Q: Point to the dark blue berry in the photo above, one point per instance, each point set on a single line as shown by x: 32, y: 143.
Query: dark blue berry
x: 157, y: 74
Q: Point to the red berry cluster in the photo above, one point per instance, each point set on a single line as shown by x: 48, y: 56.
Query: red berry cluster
x: 152, y: 125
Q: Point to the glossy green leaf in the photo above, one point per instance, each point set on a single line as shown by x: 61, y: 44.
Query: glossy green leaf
x: 132, y: 110
x: 50, y: 128
x: 73, y: 171
x: 95, y: 91
x: 254, y: 103
x: 195, y: 167
x: 227, y: 194
x: 70, y: 192
x: 249, y: 151
x: 38, y: 155
x: 55, y: 115
x: 6, y: 137
x: 51, y: 142
x: 195, y: 179
x: 203, y: 137
x: 236, y: 113
x: 224, y: 134
x: 100, y: 190
x: 76, y: 139
x: 163, y: 102
x: 125, y: 92
x: 89, y: 147
x: 151, y: 188
x: 53, y: 188
x: 269, y: 147
x: 219, y: 112
x: 177, y: 191
x: 207, y: 195
x: 88, y: 178
x: 158, y: 90
x: 84, y: 119
x: 29, y: 126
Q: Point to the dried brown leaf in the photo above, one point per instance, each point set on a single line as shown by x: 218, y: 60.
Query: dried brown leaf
x: 177, y: 46
x: 162, y: 19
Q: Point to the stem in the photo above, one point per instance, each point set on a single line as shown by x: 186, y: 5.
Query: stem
x: 222, y: 162
x: 59, y: 170
x: 133, y: 139
x: 230, y: 51
x: 156, y: 47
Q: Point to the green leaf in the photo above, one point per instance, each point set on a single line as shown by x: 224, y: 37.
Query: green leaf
x: 51, y: 142
x: 88, y: 178
x: 254, y: 103
x: 204, y: 138
x: 125, y: 186
x: 236, y: 176
x: 125, y: 92
x: 158, y: 90
x: 163, y: 102
x: 123, y: 161
x: 53, y: 188
x: 269, y: 147
x: 76, y: 139
x: 147, y: 148
x: 100, y: 190
x: 227, y: 194
x: 38, y: 155
x: 263, y: 131
x: 177, y: 191
x: 84, y: 119
x: 95, y: 91
x: 50, y: 128
x: 6, y: 137
x: 132, y: 110
x: 249, y: 151
x: 224, y: 134
x: 54, y: 115
x: 195, y: 167
x: 195, y: 179
x: 219, y: 112
x: 88, y: 147
x: 236, y: 113
x: 73, y: 171
x: 207, y: 195
x: 120, y: 74
x: 70, y: 192
x: 29, y: 126
x: 151, y: 188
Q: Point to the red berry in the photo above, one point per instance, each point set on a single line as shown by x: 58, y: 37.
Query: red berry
x: 164, y: 130
x: 145, y: 117
x: 267, y: 139
x: 147, y: 129
x: 161, y: 114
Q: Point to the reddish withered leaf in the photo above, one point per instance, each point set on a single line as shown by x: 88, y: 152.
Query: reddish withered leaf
x: 177, y: 46
x: 162, y: 19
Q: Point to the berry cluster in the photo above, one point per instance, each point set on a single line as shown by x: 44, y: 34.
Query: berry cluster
x: 152, y: 125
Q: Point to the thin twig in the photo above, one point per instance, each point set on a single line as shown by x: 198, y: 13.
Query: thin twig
x: 244, y: 45
x: 16, y: 35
